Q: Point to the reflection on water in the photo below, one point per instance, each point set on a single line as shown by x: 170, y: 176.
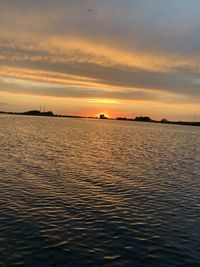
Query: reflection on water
x: 98, y: 193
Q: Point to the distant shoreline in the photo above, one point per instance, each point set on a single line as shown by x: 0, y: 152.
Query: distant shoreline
x: 137, y: 119
x: 39, y: 114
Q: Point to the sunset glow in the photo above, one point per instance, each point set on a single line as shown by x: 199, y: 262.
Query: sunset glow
x: 99, y: 133
x: 116, y: 58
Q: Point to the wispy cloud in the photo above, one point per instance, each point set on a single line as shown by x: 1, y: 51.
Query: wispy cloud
x: 139, y: 50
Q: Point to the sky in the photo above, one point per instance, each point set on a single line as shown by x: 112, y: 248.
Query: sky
x: 85, y: 57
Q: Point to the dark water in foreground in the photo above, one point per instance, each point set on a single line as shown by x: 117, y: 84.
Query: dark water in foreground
x: 98, y: 193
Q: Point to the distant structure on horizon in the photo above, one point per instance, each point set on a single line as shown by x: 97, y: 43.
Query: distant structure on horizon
x: 103, y: 116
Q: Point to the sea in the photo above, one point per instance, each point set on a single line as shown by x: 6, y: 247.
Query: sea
x: 90, y: 192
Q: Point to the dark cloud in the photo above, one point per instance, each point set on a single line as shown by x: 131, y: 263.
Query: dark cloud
x: 149, y: 25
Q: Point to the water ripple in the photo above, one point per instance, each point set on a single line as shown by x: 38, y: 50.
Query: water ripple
x: 98, y: 193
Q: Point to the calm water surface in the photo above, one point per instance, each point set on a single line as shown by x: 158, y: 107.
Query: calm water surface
x: 78, y: 192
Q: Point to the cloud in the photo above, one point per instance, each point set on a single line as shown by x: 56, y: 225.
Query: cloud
x: 142, y: 50
x: 148, y: 25
x: 90, y: 94
x: 5, y: 104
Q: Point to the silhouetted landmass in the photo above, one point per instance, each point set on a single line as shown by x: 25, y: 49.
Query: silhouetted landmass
x: 145, y: 119
x: 38, y: 113
x: 122, y: 119
x: 102, y: 116
x: 189, y: 123
x: 164, y: 121
x: 92, y: 117
x: 141, y: 118
x: 31, y: 113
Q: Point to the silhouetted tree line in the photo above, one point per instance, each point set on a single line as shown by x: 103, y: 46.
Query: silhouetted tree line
x: 38, y: 113
x: 145, y: 118
x: 140, y: 118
